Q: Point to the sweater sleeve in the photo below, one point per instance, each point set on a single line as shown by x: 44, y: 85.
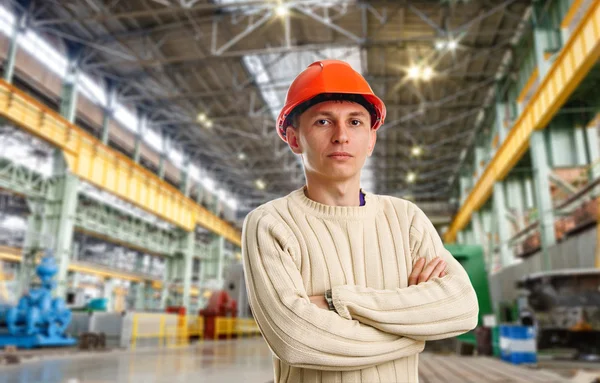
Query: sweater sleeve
x: 437, y: 309
x: 297, y: 331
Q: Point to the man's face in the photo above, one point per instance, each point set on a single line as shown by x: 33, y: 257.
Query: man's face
x: 334, y: 139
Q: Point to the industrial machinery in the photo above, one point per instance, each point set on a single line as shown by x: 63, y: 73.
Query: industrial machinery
x: 484, y: 337
x: 38, y: 319
x: 220, y: 305
x: 564, y: 307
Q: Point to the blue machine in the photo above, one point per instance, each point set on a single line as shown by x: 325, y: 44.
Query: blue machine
x: 38, y: 319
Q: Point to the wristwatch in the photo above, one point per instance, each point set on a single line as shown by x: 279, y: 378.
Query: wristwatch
x: 329, y: 300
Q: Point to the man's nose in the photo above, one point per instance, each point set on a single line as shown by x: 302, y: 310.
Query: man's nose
x: 340, y: 134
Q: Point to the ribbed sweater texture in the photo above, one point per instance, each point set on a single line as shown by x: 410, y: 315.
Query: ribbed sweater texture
x: 294, y: 248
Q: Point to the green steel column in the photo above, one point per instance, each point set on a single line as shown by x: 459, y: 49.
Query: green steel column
x: 185, y: 178
x: 220, y: 241
x: 539, y: 155
x: 13, y: 47
x: 68, y: 103
x: 515, y: 199
x: 593, y: 148
x: 107, y: 113
x: 163, y: 156
x: 581, y: 153
x: 541, y: 172
x: 500, y: 114
x: 464, y: 183
x: 62, y: 209
x: 189, y: 243
x: 477, y: 229
x: 63, y: 192
x: 32, y: 244
x: 141, y: 122
x: 140, y: 296
x: 108, y: 293
x: 506, y: 255
x: 166, y: 283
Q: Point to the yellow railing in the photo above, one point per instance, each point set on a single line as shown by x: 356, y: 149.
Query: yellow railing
x: 106, y: 168
x: 170, y: 330
x: 575, y: 60
x: 239, y: 327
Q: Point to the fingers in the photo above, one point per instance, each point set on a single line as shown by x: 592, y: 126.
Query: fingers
x: 416, y: 271
x: 424, y: 276
x: 438, y: 272
x: 427, y: 273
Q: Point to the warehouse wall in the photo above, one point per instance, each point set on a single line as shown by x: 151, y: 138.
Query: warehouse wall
x: 577, y: 251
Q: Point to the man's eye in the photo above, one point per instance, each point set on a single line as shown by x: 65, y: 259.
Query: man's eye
x: 356, y: 122
x: 322, y: 122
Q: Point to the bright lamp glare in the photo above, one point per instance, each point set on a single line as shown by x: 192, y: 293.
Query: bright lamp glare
x: 427, y: 73
x: 452, y: 45
x: 281, y: 10
x: 414, y: 72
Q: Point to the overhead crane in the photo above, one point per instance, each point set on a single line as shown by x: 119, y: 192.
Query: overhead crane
x: 92, y: 161
x: 572, y: 64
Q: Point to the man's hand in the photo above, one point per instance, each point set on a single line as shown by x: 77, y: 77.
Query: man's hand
x: 422, y: 273
x: 320, y: 301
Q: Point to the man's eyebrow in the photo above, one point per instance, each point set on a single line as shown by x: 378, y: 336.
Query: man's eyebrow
x: 351, y: 114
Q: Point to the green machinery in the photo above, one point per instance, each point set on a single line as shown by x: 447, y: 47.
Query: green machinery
x: 471, y: 258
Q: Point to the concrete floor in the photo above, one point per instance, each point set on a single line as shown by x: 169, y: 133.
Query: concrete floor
x: 245, y: 360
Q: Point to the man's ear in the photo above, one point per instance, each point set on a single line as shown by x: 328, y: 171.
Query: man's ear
x: 372, y: 142
x: 293, y: 140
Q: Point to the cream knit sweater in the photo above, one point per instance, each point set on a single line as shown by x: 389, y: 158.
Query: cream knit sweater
x: 294, y: 248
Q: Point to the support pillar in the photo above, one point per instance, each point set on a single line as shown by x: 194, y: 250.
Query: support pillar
x: 166, y: 283
x: 141, y: 126
x: 506, y: 256
x: 185, y: 177
x: 188, y: 254
x: 107, y: 114
x: 108, y: 293
x: 62, y: 203
x: 477, y: 228
x: 539, y: 154
x: 140, y: 296
x: 220, y: 242
x: 593, y: 146
x: 62, y: 199
x: 163, y: 156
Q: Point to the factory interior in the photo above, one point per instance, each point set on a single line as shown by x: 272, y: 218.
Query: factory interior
x: 136, y: 136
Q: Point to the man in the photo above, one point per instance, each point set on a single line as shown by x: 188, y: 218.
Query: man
x: 345, y: 285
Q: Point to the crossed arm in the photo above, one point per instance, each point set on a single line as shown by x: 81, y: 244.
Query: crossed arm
x: 439, y: 302
x: 371, y: 326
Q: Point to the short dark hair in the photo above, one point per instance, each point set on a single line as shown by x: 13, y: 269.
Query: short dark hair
x: 293, y: 118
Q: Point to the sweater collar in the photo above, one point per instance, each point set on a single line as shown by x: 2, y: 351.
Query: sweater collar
x: 318, y: 209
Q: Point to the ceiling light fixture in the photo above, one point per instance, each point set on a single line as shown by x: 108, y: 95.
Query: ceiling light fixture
x: 411, y: 177
x: 416, y: 151
x: 241, y: 156
x: 440, y: 44
x: 281, y: 10
x: 201, y: 117
x: 260, y: 184
x: 414, y: 72
x: 208, y: 124
x: 452, y: 45
x: 427, y: 73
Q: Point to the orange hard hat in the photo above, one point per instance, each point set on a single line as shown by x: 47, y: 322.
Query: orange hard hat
x: 329, y: 77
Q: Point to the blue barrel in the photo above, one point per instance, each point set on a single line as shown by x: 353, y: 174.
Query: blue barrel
x: 504, y: 342
x: 523, y: 348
